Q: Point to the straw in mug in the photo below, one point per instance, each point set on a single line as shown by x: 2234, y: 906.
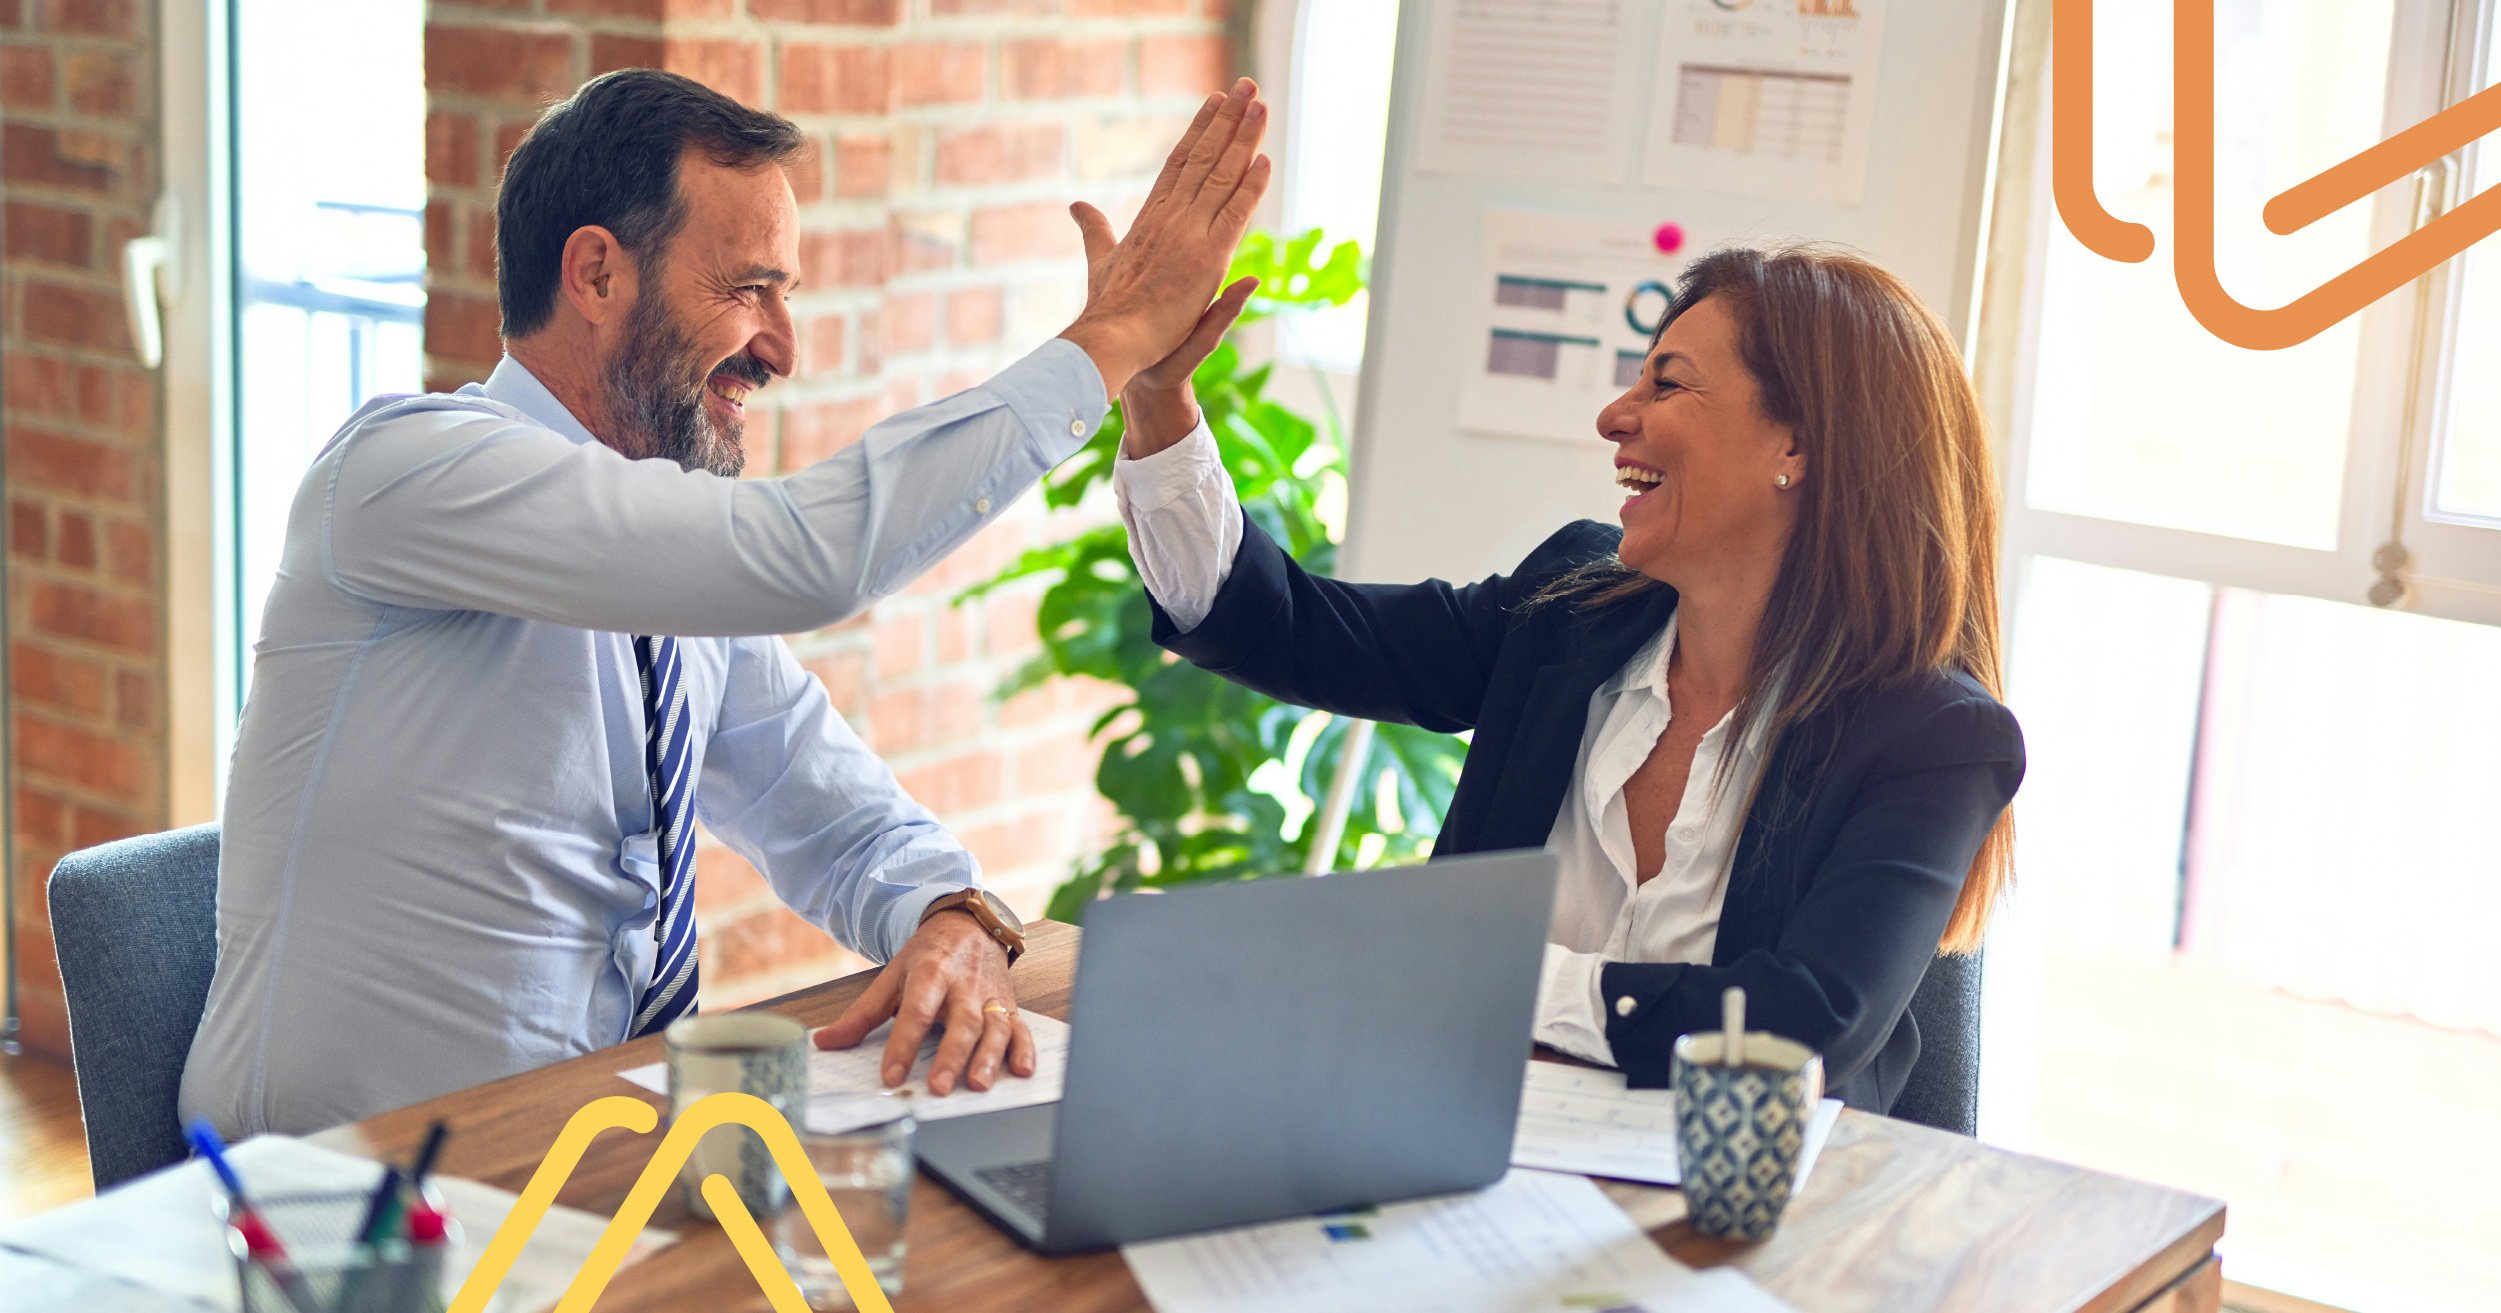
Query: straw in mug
x: 1732, y: 1026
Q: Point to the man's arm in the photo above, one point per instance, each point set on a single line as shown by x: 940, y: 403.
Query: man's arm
x: 789, y: 786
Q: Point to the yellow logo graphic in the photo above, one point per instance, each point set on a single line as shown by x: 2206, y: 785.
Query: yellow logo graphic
x: 2193, y: 265
x: 619, y: 1112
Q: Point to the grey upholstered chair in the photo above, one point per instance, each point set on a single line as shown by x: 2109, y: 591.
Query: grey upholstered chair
x: 135, y: 926
x: 1944, y: 1086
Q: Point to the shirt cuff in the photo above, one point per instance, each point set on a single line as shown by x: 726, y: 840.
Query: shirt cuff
x: 1058, y: 393
x: 1570, y: 1015
x: 903, y: 919
x: 1184, y: 521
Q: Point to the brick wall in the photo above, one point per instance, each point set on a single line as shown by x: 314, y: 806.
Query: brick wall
x: 949, y: 136
x: 80, y: 425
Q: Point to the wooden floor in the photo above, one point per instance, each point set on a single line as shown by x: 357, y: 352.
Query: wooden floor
x: 43, y: 1146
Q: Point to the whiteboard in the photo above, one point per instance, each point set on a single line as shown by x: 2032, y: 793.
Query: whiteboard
x: 1432, y: 498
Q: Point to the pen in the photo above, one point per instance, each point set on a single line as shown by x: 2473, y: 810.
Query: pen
x: 260, y: 1244
x: 383, y: 1212
x: 433, y: 1145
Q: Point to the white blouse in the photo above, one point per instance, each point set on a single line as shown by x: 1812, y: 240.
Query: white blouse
x: 1185, y: 526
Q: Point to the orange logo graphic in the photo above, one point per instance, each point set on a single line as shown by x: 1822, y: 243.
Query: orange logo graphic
x: 2193, y: 264
x: 618, y: 1112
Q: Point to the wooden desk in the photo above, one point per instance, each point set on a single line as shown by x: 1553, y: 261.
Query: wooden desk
x: 1895, y: 1217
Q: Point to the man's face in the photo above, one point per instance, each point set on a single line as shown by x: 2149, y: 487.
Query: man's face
x: 710, y: 321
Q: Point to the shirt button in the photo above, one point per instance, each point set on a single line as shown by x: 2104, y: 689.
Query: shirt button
x: 1624, y: 1006
x: 982, y: 507
x: 1076, y: 428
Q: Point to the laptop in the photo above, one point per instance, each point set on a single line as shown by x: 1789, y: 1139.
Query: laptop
x: 1246, y: 1052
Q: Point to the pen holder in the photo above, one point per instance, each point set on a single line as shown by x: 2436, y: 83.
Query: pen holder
x: 327, y: 1270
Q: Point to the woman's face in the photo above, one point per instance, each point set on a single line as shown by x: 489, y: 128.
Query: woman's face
x: 1700, y: 459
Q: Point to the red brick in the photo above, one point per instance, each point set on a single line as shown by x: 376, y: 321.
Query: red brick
x: 610, y: 52
x: 451, y: 149
x: 42, y: 1018
x: 76, y: 316
x: 845, y: 676
x: 846, y: 13
x: 463, y: 328
x: 520, y: 65
x: 134, y: 701
x: 90, y: 826
x: 900, y: 639
x: 832, y: 78
x: 1020, y: 8
x: 820, y: 349
x: 1175, y: 64
x: 130, y: 551
x: 941, y: 72
x: 71, y: 611
x: 814, y: 430
x: 30, y: 533
x: 926, y: 240
x: 1037, y: 230
x: 88, y: 17
x: 1056, y: 763
x: 49, y: 233
x: 38, y: 385
x: 57, y: 679
x: 772, y: 938
x: 45, y: 459
x: 26, y: 80
x: 1011, y: 622
x: 807, y: 175
x: 959, y: 784
x: 725, y: 883
x: 1127, y: 8
x: 102, y: 83
x: 854, y: 257
x: 120, y: 398
x: 1038, y: 838
x: 79, y: 758
x: 996, y: 153
x: 41, y: 816
x: 1052, y: 68
x: 80, y: 161
x: 863, y: 166
x: 75, y: 543
x: 652, y: 11
x: 508, y: 135
x: 911, y: 323
x: 974, y: 315
x: 479, y: 250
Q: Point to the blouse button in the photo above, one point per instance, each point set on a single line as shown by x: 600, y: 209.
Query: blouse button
x: 1624, y: 1005
x: 982, y: 507
x: 1076, y: 428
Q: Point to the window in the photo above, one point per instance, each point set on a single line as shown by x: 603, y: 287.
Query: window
x: 1336, y: 124
x: 2254, y: 882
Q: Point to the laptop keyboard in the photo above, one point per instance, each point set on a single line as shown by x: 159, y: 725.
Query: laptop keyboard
x: 1027, y: 1185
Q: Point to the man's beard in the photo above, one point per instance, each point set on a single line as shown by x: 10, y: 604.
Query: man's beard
x: 656, y: 387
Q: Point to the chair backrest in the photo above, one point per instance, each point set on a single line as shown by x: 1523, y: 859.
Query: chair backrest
x: 135, y: 926
x: 1943, y: 1089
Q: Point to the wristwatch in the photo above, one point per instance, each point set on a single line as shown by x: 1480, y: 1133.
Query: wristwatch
x: 988, y: 912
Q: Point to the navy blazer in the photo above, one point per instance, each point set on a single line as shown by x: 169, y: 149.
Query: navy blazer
x: 1853, y: 852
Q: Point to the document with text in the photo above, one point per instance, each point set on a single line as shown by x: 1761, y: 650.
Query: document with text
x: 845, y: 1090
x: 1533, y: 1242
x: 1584, y: 1119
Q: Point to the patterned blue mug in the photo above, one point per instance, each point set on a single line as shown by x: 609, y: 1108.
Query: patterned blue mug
x: 1741, y: 1130
x: 754, y: 1053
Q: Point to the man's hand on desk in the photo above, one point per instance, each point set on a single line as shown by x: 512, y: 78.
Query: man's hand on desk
x: 951, y: 973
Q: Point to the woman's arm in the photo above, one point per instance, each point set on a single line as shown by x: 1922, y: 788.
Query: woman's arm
x: 1867, y: 925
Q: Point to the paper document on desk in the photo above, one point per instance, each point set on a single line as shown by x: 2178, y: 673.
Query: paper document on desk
x: 1584, y: 1119
x: 1533, y: 1242
x: 160, y: 1233
x: 845, y: 1090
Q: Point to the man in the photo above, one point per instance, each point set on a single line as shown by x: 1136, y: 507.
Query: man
x: 520, y: 637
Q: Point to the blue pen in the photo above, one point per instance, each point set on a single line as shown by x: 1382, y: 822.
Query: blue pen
x: 259, y: 1242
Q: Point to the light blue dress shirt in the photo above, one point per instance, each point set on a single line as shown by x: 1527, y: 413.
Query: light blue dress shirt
x: 438, y: 864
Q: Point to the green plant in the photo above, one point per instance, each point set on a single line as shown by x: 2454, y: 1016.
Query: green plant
x: 1213, y: 781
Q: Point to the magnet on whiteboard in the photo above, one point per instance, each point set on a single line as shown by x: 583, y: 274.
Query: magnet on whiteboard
x: 1670, y: 238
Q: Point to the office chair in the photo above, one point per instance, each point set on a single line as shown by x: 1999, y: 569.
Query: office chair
x: 135, y: 925
x: 1943, y: 1089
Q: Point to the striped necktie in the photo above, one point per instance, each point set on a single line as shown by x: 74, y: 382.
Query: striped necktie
x: 667, y: 758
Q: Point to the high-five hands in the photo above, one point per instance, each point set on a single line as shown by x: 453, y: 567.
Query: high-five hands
x: 1151, y: 291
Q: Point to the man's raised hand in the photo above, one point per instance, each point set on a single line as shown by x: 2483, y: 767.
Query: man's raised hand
x: 1147, y: 290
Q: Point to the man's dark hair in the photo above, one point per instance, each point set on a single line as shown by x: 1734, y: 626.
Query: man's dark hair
x: 608, y: 157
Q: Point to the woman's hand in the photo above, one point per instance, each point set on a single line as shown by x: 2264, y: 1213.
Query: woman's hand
x: 1158, y: 407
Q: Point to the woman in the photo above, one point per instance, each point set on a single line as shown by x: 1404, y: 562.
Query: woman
x: 1758, y: 723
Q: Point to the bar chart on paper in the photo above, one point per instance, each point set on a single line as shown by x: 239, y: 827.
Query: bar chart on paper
x: 1766, y: 97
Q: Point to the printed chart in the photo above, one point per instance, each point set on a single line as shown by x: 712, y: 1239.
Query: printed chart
x: 1766, y: 97
x: 1567, y: 306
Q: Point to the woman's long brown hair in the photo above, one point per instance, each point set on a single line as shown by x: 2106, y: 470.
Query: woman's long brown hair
x: 1891, y: 573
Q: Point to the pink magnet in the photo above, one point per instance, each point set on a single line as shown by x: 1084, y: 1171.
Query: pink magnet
x: 1670, y: 238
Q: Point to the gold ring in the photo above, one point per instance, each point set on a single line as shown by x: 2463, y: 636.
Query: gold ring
x: 998, y: 1007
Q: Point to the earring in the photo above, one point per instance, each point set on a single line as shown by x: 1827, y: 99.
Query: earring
x: 601, y: 282
x: 1780, y: 481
